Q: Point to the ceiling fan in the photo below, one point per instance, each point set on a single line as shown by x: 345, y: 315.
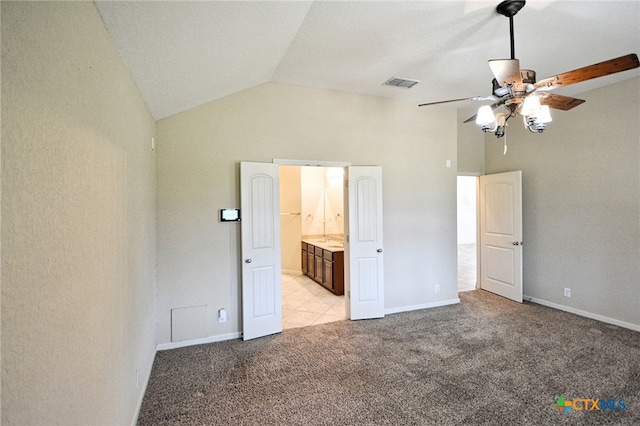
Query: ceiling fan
x: 520, y: 93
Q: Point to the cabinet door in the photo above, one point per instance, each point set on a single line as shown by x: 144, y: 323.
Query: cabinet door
x: 304, y: 259
x: 318, y: 269
x: 310, y: 263
x: 328, y: 273
x: 337, y: 277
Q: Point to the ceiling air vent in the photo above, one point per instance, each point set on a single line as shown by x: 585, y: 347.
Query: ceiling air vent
x: 401, y: 82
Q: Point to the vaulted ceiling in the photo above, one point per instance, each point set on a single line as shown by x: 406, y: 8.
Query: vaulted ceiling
x: 183, y: 54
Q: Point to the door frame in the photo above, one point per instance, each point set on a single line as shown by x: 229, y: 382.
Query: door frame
x: 518, y: 298
x: 477, y: 213
x: 478, y: 233
x: 318, y: 163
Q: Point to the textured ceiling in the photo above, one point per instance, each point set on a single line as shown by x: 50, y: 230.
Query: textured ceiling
x: 183, y: 54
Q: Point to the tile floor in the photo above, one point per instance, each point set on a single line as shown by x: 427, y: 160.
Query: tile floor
x: 466, y: 267
x: 305, y: 302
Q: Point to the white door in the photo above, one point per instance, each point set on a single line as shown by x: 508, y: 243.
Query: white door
x: 365, y: 259
x: 501, y: 234
x: 260, y: 225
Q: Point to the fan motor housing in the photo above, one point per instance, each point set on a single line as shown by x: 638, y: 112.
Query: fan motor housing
x: 528, y: 76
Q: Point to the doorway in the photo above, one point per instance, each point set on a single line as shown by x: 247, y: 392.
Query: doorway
x: 467, y: 232
x: 311, y: 208
x: 261, y: 254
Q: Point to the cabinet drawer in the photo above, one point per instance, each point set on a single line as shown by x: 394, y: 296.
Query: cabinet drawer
x: 304, y: 246
x: 328, y: 255
x: 318, y: 251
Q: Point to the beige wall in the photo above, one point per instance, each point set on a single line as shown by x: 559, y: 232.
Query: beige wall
x: 470, y: 146
x: 322, y: 200
x: 334, y: 201
x: 315, y: 196
x: 198, y: 173
x: 581, y: 189
x: 290, y: 224
x: 312, y: 205
x: 78, y: 221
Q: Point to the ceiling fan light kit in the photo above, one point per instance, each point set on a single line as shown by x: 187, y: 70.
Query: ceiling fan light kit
x: 517, y: 90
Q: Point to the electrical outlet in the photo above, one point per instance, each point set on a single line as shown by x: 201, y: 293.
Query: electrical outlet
x: 222, y: 316
x: 567, y: 292
x: 437, y: 288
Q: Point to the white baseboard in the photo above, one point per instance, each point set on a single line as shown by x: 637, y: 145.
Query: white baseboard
x: 143, y: 389
x: 202, y: 341
x: 390, y: 311
x: 582, y: 313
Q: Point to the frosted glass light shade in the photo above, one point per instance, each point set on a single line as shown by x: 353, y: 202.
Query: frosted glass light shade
x: 544, y: 115
x: 531, y: 106
x: 485, y: 117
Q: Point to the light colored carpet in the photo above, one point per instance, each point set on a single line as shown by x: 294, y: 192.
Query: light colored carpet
x: 485, y: 361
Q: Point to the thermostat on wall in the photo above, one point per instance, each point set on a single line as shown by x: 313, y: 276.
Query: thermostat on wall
x: 229, y: 215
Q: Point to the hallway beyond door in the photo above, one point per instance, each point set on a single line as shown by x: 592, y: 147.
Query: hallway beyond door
x: 467, y: 275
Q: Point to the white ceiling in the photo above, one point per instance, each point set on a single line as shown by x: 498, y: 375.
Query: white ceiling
x: 183, y: 54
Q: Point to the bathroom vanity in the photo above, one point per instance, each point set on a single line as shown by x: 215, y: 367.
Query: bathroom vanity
x: 323, y: 262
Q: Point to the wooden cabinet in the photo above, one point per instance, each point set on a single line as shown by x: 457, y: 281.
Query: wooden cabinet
x: 334, y: 271
x: 318, y: 276
x: 326, y: 267
x: 305, y: 268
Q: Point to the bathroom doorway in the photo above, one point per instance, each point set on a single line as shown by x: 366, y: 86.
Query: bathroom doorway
x: 467, y: 232
x: 311, y: 209
x: 261, y: 244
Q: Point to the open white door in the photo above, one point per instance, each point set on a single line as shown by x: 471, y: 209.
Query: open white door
x: 365, y: 260
x: 260, y: 225
x: 501, y: 234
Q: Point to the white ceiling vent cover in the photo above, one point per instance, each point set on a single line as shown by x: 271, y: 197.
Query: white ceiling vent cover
x: 401, y: 82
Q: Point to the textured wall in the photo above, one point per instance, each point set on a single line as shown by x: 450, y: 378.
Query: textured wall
x: 290, y: 193
x: 581, y: 203
x: 78, y: 221
x: 470, y: 146
x: 198, y: 173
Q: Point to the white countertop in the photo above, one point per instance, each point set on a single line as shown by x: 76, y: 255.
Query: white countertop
x: 334, y: 246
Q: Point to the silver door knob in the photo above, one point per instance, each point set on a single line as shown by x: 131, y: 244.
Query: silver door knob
x: 515, y: 243
x: 379, y: 250
x: 248, y: 261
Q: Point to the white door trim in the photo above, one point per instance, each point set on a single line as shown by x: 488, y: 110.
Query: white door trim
x: 501, y: 234
x: 317, y: 163
x: 261, y: 263
x: 310, y: 163
x: 364, y: 281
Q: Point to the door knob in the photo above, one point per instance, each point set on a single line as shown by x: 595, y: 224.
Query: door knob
x: 515, y: 243
x: 248, y: 261
x: 379, y: 250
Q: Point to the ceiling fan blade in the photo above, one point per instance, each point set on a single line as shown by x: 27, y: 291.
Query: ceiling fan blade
x: 506, y: 71
x: 493, y: 106
x: 612, y: 66
x: 475, y: 98
x: 564, y: 103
